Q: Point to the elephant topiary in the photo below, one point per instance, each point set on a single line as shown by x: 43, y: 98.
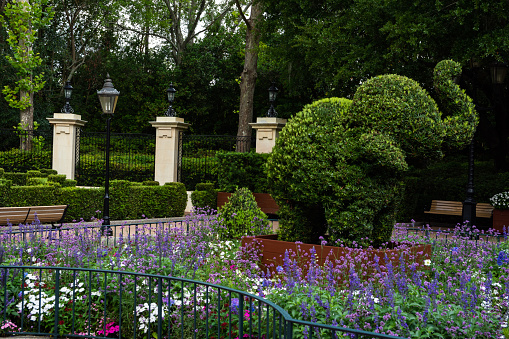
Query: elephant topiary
x: 338, y: 164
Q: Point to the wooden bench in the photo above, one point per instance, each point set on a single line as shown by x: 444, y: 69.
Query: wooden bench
x: 482, y: 210
x: 28, y: 214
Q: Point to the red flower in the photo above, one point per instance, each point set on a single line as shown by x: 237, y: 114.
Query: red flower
x: 61, y: 322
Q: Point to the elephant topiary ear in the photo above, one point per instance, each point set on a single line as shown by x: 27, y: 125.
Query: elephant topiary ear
x: 400, y: 108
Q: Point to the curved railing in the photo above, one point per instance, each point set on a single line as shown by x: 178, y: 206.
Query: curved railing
x: 95, y: 303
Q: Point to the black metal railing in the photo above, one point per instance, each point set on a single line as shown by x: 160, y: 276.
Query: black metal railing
x: 197, y: 162
x: 96, y: 303
x: 22, y: 150
x: 132, y: 157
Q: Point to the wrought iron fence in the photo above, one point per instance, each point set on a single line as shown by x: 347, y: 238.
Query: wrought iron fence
x: 94, y: 303
x: 132, y: 157
x: 22, y: 150
x: 197, y: 162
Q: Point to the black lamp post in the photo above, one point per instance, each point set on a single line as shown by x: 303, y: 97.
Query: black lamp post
x: 272, y: 98
x: 498, y: 72
x: 67, y: 93
x: 108, y: 97
x: 170, y: 112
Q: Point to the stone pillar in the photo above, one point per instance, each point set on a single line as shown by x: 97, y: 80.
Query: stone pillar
x: 167, y: 147
x: 65, y: 128
x: 267, y: 132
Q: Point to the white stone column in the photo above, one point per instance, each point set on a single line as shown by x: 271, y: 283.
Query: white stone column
x: 167, y: 147
x: 267, y: 132
x: 65, y: 128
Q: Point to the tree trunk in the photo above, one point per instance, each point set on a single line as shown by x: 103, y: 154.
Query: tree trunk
x: 26, y: 117
x: 248, y: 80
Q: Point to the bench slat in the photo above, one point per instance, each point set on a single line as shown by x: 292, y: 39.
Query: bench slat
x: 27, y: 214
x: 483, y: 210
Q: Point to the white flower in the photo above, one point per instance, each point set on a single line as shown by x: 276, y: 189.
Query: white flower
x: 427, y: 262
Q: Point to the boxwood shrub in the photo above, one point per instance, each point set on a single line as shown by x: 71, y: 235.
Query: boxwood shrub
x: 204, y: 196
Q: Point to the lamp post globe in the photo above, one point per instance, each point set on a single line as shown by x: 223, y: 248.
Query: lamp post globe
x: 273, y: 90
x: 108, y: 97
x: 67, y: 94
x: 170, y: 112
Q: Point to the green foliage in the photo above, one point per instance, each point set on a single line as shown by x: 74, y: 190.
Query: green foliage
x: 446, y: 180
x: 299, y: 171
x: 15, y: 160
x: 241, y: 216
x: 60, y: 178
x: 204, y: 196
x: 150, y: 183
x: 204, y: 186
x: 18, y: 179
x: 69, y: 183
x: 127, y: 201
x: 237, y: 169
x: 2, y: 173
x: 35, y: 174
x: 22, y: 19
x: 48, y: 171
x: 399, y: 108
x: 344, y: 161
x: 36, y: 181
x: 461, y: 119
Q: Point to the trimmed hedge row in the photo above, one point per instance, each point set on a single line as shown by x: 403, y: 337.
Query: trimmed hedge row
x: 127, y: 200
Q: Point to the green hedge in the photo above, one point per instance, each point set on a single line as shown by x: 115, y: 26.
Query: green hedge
x: 238, y: 170
x: 16, y: 160
x: 126, y: 201
x: 18, y: 179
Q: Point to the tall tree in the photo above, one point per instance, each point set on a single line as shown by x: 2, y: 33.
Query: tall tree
x: 176, y: 23
x: 22, y: 19
x: 249, y: 73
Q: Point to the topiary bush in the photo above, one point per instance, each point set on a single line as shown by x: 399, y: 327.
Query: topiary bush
x: 204, y: 196
x: 241, y: 216
x: 338, y: 165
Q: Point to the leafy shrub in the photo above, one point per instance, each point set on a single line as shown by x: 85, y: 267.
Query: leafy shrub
x: 241, y: 216
x: 237, y: 169
x: 204, y: 196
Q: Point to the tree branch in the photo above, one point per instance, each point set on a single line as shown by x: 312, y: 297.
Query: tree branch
x: 248, y: 23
